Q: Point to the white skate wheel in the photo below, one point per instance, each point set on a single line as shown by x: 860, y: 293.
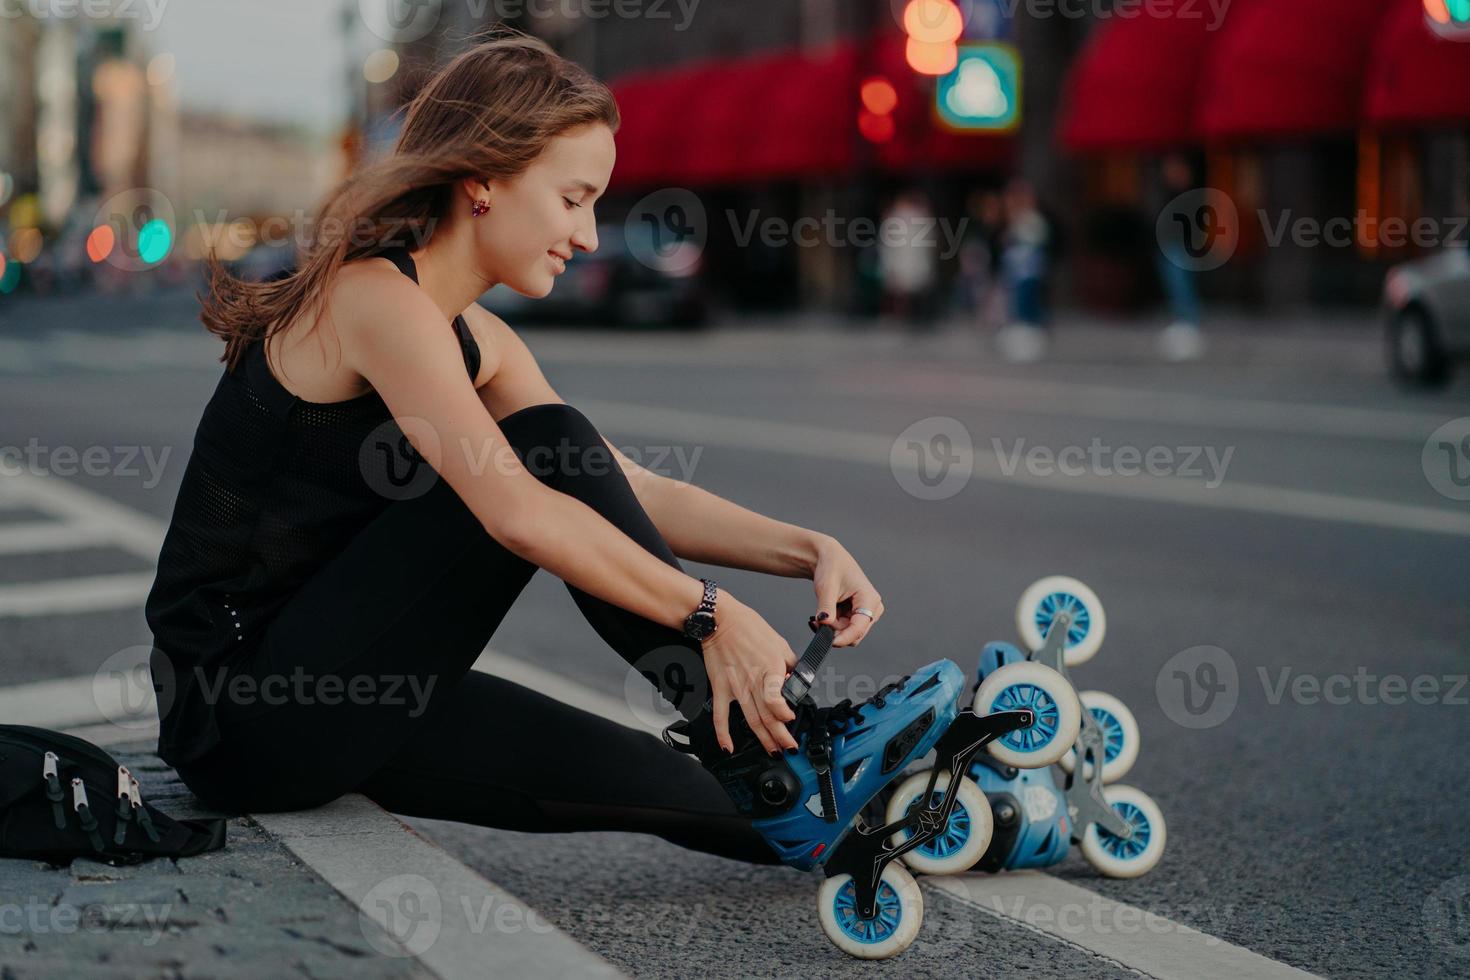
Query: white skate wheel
x: 1042, y: 690
x: 965, y: 839
x: 1119, y: 858
x: 890, y: 932
x: 1044, y: 598
x: 1119, y: 732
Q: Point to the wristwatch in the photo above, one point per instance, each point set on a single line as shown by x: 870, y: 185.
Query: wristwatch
x: 700, y: 624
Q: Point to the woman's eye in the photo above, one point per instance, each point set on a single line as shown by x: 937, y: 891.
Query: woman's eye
x: 571, y: 202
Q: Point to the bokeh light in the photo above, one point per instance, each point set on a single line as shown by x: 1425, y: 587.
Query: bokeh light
x: 879, y: 96
x: 101, y: 242
x: 380, y: 66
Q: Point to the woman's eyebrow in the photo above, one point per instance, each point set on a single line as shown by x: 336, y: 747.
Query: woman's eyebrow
x: 582, y: 184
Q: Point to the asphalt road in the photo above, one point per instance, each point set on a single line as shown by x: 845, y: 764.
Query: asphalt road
x: 1312, y: 810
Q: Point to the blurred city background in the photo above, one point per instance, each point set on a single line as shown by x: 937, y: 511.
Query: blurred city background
x: 1308, y: 146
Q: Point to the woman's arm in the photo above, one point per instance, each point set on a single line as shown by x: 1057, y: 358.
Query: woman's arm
x: 703, y: 527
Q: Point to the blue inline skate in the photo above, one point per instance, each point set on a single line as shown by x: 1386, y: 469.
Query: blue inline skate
x: 810, y: 804
x: 1120, y: 830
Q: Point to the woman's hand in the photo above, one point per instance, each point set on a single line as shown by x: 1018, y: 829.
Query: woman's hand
x: 747, y: 661
x: 842, y: 588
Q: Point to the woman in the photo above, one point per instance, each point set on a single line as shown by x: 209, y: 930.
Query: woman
x: 322, y: 593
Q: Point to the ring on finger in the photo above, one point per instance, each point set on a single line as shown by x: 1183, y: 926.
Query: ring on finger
x: 864, y: 612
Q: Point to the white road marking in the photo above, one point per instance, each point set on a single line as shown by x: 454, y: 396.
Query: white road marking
x: 873, y: 449
x: 1131, y: 937
x: 33, y: 536
x: 83, y: 519
x: 61, y: 703
x: 473, y: 928
x: 91, y: 593
x: 1077, y: 400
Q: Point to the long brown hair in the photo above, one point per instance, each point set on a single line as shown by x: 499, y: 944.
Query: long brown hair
x: 487, y: 114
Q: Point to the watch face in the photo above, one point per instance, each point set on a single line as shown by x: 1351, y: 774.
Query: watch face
x: 699, y: 624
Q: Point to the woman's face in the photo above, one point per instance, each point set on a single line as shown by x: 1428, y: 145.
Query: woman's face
x: 543, y: 217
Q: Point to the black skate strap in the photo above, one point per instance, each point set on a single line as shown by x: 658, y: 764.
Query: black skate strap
x: 805, y: 671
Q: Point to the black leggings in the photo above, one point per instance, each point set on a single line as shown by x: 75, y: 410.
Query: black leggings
x: 410, y: 603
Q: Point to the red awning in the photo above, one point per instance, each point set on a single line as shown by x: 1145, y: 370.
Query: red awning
x: 719, y: 121
x: 1288, y: 68
x: 1133, y: 85
x: 790, y: 115
x: 1416, y: 76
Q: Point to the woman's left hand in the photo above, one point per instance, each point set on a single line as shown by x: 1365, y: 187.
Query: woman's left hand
x: 842, y: 589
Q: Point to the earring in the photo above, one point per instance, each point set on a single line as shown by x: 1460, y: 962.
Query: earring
x: 479, y: 208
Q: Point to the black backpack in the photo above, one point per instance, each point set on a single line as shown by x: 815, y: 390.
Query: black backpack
x: 62, y: 797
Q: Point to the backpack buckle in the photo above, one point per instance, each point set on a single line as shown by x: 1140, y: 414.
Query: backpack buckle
x: 50, y: 771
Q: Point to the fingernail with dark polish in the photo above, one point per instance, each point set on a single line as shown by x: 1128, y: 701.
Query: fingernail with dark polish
x: 821, y: 617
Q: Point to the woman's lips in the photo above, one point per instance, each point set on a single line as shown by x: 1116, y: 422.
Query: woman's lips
x: 557, y: 261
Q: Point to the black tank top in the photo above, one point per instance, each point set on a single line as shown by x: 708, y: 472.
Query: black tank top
x: 275, y: 486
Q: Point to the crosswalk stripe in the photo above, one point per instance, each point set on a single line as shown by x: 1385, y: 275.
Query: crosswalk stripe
x: 95, y: 593
x: 33, y: 536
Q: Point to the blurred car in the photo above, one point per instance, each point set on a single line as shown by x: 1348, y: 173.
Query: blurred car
x: 1426, y: 309
x: 630, y: 281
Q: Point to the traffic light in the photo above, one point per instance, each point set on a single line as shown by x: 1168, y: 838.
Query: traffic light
x: 1450, y: 18
x: 983, y: 93
x: 875, y: 120
x: 932, y: 27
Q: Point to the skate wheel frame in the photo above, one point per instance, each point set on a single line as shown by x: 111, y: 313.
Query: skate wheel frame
x: 864, y: 859
x: 1118, y: 737
x: 964, y: 839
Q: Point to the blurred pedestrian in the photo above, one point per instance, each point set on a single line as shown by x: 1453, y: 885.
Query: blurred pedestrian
x: 1024, y: 269
x: 1182, y: 339
x: 908, y: 258
x: 978, y: 290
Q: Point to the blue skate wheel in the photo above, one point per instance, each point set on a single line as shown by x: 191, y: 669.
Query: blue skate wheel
x: 1044, y: 599
x: 1044, y: 692
x: 1119, y: 733
x: 964, y: 839
x: 892, y: 930
x: 1119, y: 857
